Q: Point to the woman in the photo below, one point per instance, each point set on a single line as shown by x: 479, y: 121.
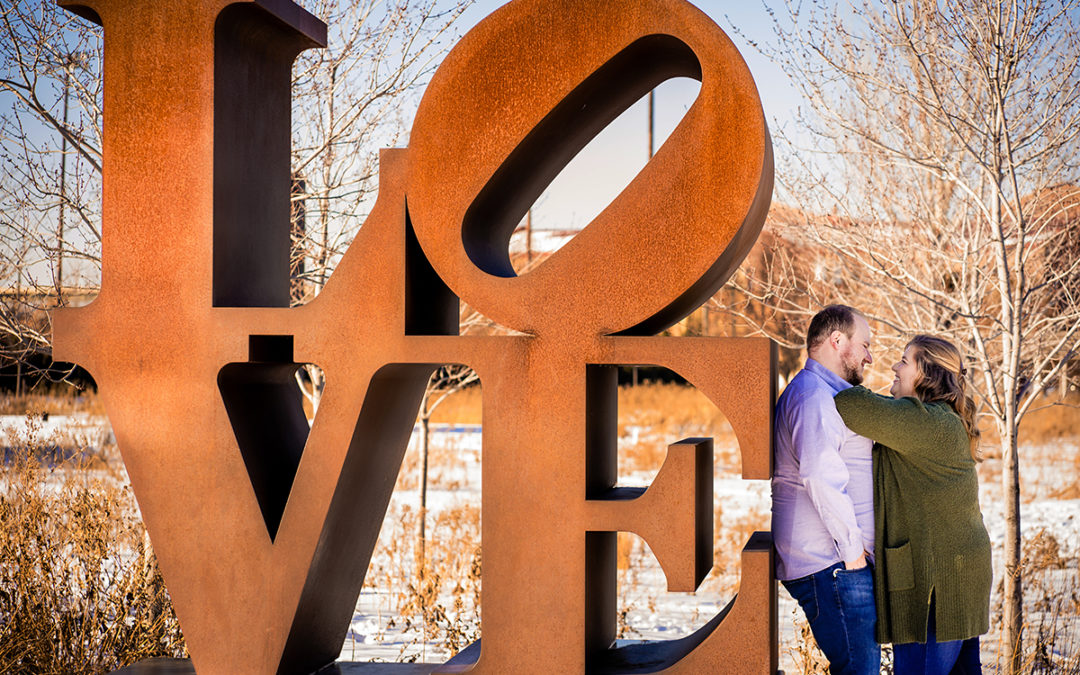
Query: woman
x: 932, y: 571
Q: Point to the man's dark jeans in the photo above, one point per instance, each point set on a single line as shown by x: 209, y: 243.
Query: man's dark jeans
x: 839, y: 604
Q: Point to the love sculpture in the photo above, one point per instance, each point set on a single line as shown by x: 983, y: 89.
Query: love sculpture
x: 263, y: 530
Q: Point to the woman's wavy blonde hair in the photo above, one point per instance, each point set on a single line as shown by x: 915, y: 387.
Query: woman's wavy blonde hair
x: 943, y: 377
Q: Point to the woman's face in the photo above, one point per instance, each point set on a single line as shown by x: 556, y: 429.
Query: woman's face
x: 906, y: 372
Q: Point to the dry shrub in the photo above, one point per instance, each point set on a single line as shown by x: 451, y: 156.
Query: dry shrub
x: 454, y: 627
x: 1056, y: 646
x: 1051, y: 633
x: 1067, y: 492
x: 632, y: 557
x: 731, y: 531
x: 438, y: 600
x: 1042, y: 552
x: 80, y: 590
x: 804, y: 653
x: 642, y: 457
x: 1052, y: 620
x: 447, y: 464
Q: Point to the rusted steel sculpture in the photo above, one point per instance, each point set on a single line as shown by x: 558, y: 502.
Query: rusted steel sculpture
x: 264, y: 530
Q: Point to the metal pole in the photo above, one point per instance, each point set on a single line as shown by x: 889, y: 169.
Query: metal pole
x: 652, y: 104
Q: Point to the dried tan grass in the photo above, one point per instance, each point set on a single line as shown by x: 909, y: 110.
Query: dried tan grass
x: 439, y: 597
x: 804, y: 653
x: 664, y: 413
x: 1051, y: 423
x: 80, y: 590
x: 1051, y: 420
x: 57, y: 402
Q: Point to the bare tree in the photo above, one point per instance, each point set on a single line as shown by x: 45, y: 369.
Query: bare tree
x: 50, y: 120
x: 349, y: 100
x: 787, y: 276
x: 941, y: 141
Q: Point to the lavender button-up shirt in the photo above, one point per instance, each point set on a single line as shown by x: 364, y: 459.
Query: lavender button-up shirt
x: 822, y: 486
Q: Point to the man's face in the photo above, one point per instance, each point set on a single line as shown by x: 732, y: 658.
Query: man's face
x: 855, y: 351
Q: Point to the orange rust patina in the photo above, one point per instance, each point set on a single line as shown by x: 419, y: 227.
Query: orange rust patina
x: 263, y: 530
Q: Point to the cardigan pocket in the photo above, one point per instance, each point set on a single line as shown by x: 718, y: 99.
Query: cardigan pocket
x: 899, y: 571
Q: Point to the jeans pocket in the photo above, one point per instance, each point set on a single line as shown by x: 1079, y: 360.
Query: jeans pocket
x: 855, y: 588
x: 899, y: 570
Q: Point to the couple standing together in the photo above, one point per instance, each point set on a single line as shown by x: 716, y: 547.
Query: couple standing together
x: 875, y: 511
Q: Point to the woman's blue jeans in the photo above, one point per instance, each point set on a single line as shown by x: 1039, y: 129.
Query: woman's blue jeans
x: 956, y: 657
x: 839, y: 604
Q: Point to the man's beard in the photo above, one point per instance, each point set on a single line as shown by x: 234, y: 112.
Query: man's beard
x: 852, y: 374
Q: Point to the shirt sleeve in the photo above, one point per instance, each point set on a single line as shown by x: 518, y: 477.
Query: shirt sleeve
x: 817, y: 432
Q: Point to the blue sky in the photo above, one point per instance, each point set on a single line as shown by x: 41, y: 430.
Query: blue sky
x: 616, y: 155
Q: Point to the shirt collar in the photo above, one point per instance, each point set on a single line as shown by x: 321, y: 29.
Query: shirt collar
x: 832, y: 379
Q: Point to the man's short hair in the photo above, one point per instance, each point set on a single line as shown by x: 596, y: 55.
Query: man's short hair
x: 833, y: 317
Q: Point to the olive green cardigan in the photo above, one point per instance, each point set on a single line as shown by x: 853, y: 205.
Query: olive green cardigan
x: 929, y: 532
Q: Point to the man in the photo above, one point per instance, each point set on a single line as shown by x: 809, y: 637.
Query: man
x: 822, y: 491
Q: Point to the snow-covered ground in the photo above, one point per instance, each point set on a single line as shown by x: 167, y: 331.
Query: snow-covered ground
x: 378, y: 631
x: 654, y: 614
x: 78, y: 430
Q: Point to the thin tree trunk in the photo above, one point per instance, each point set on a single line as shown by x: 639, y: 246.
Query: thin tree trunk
x: 1009, y: 288
x: 325, y: 188
x: 19, y: 358
x: 59, y: 281
x: 1012, y: 596
x: 318, y: 383
x: 528, y: 236
x: 425, y: 423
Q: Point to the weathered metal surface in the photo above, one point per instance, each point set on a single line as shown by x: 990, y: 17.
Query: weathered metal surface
x: 264, y: 536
